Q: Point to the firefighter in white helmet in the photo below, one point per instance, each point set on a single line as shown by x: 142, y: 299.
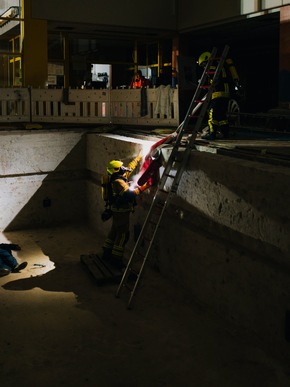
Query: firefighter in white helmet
x: 122, y: 204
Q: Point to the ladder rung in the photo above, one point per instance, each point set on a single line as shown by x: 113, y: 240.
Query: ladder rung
x: 127, y: 285
x: 134, y: 271
x: 153, y: 223
x: 156, y: 216
x: 158, y: 211
x: 140, y: 254
x: 147, y: 240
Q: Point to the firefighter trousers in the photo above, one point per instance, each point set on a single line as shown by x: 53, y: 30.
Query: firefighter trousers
x: 218, y: 118
x: 118, y: 236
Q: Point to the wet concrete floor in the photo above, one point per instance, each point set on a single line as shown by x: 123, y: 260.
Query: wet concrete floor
x: 59, y: 329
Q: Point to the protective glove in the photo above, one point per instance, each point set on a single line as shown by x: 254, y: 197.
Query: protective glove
x: 145, y: 186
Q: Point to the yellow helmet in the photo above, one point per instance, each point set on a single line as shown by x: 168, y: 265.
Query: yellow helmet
x: 204, y: 57
x: 114, y: 166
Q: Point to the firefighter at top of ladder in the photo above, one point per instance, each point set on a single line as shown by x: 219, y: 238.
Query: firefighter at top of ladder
x: 218, y: 123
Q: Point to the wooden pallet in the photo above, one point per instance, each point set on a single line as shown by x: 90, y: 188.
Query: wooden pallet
x: 102, y: 271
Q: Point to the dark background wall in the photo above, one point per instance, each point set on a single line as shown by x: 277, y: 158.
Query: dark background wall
x: 128, y: 13
x: 195, y: 13
x: 254, y: 42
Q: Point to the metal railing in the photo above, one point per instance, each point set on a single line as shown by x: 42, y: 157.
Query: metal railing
x: 157, y: 106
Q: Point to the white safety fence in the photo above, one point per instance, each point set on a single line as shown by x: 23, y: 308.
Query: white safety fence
x: 14, y: 105
x: 118, y: 106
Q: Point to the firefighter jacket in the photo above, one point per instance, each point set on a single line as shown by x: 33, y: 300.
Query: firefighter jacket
x: 221, y: 88
x: 124, y: 198
x: 133, y: 165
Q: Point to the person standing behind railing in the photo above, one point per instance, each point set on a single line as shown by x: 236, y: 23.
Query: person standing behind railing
x: 139, y: 81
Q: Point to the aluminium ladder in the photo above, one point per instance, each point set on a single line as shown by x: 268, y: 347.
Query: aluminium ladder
x: 172, y: 173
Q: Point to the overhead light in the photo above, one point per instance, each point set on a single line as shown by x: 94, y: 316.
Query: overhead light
x: 11, y: 13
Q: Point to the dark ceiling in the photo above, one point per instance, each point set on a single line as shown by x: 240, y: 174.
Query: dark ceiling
x: 243, y: 35
x: 258, y: 28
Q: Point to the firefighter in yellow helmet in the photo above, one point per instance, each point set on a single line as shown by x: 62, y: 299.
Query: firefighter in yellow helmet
x: 218, y: 108
x: 122, y: 202
x: 204, y: 57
